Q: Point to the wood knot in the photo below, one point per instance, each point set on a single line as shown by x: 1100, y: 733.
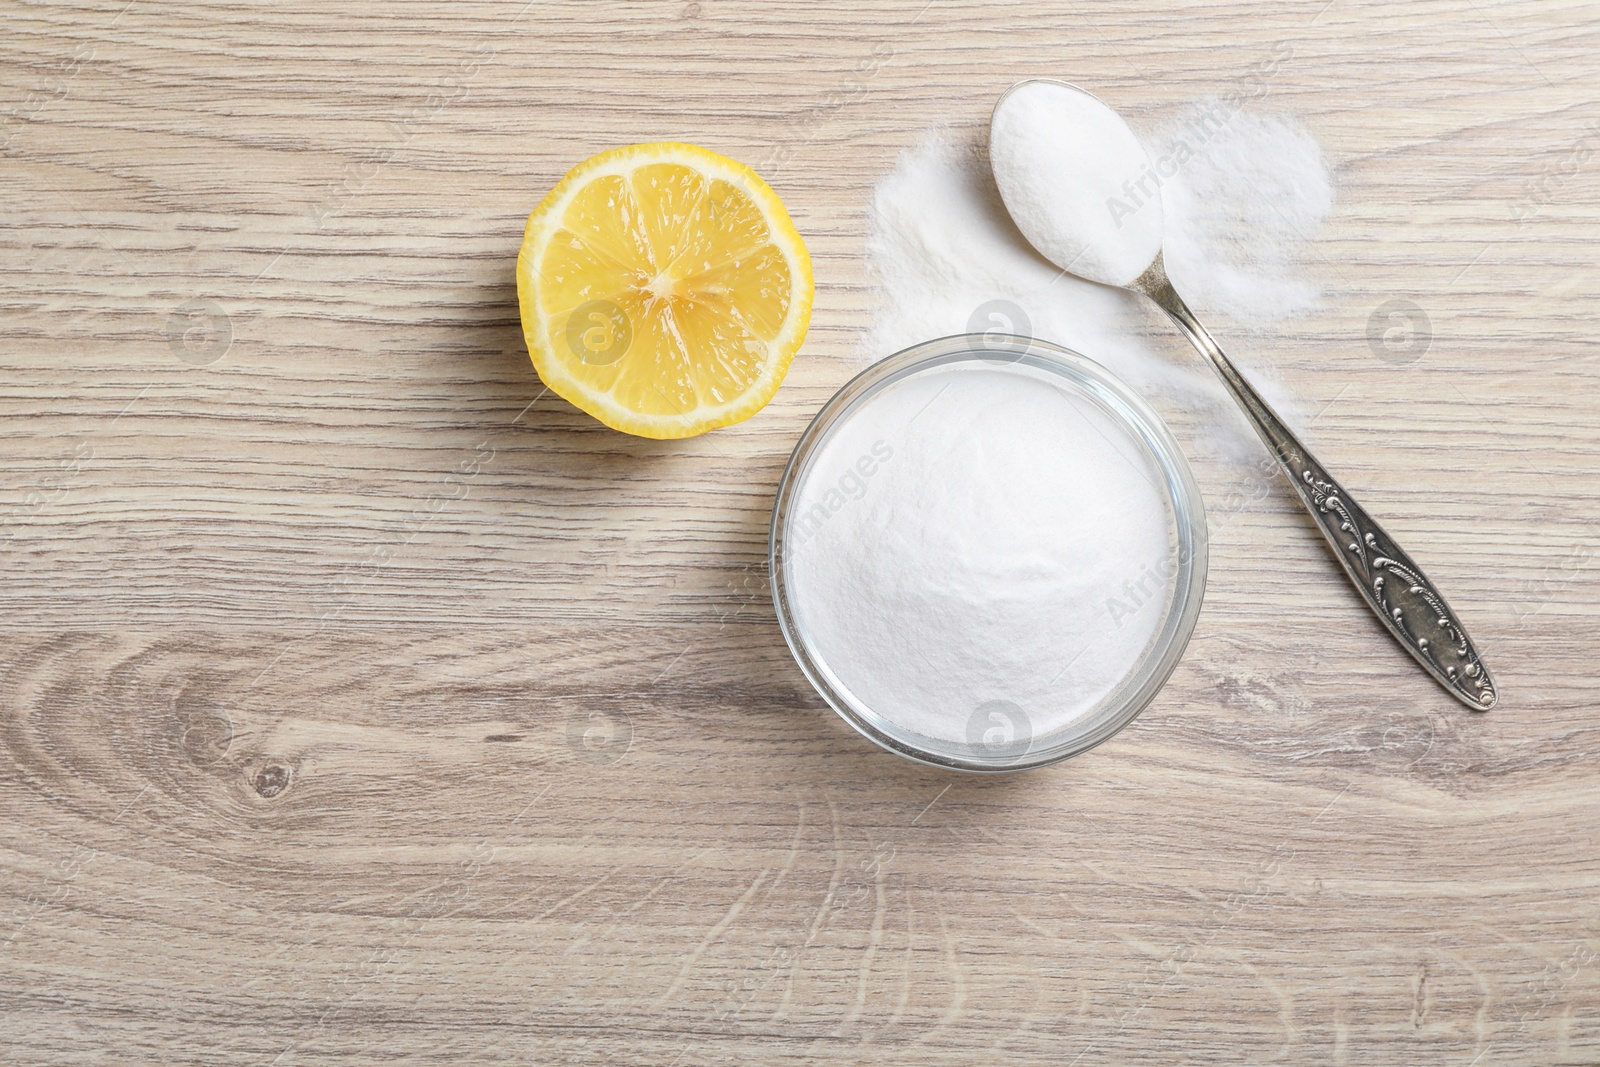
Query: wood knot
x: 205, y: 737
x: 271, y: 780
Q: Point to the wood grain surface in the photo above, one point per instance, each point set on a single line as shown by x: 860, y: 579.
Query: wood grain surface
x: 363, y: 703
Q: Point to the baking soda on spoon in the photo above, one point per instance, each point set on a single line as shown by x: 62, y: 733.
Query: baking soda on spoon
x: 1105, y: 223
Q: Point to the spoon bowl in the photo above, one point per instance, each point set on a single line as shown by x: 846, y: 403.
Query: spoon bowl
x: 1110, y: 231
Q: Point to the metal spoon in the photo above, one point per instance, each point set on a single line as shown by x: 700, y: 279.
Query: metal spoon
x: 1393, y: 586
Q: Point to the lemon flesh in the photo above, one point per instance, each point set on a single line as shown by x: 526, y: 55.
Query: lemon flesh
x: 663, y: 289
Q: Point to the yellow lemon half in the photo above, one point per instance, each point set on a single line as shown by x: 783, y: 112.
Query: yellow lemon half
x: 663, y: 289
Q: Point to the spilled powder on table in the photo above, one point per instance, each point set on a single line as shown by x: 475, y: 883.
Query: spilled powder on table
x: 1242, y: 212
x: 1249, y: 195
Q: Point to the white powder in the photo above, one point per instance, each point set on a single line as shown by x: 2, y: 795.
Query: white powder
x: 1077, y: 181
x: 1248, y: 194
x: 979, y: 536
x: 1251, y: 192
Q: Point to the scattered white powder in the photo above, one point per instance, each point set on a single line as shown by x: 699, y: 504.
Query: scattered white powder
x: 1247, y: 194
x: 1243, y: 210
x: 979, y: 536
x: 1077, y: 181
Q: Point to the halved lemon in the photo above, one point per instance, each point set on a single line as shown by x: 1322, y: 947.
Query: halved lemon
x: 663, y: 289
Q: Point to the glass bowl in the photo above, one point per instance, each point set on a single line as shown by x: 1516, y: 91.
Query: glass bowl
x: 1000, y: 750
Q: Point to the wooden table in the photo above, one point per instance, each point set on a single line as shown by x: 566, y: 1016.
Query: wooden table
x: 363, y: 703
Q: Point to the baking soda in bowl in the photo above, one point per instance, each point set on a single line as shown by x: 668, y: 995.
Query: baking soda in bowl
x: 982, y: 559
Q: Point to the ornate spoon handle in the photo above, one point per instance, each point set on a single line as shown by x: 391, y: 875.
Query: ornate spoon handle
x: 1392, y: 585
